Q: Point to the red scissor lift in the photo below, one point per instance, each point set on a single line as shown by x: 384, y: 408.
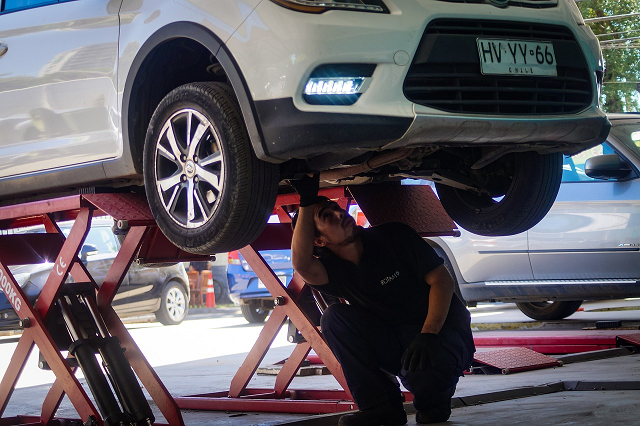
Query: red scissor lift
x: 143, y: 240
x: 415, y: 205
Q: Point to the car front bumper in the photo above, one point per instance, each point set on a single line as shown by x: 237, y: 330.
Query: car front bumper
x: 292, y: 133
x: 279, y: 49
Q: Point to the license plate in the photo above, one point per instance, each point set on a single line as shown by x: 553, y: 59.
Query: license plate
x: 516, y: 57
x: 282, y: 278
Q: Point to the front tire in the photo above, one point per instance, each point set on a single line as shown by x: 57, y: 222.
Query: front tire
x: 174, y: 305
x: 524, y: 186
x: 207, y: 190
x: 254, y: 313
x: 544, y: 311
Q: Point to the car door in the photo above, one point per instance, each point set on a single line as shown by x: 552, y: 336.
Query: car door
x: 104, y: 249
x: 58, y: 87
x: 144, y: 287
x: 481, y: 259
x: 591, y: 232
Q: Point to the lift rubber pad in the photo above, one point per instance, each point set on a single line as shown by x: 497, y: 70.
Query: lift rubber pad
x: 132, y: 207
x: 515, y: 359
x: 415, y: 205
x: 633, y: 339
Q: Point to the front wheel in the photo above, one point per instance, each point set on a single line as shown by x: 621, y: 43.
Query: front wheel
x: 207, y: 190
x: 521, y: 189
x: 173, y: 305
x: 543, y: 311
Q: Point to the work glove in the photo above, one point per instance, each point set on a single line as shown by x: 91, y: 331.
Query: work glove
x: 307, y: 188
x: 422, y: 352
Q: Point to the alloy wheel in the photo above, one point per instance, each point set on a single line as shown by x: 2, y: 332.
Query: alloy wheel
x: 189, y: 168
x: 176, y: 304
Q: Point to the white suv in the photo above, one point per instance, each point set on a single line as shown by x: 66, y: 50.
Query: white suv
x: 209, y: 105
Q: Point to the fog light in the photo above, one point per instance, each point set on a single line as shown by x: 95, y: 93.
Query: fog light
x: 334, y: 86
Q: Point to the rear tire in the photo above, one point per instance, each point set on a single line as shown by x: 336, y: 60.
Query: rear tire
x: 221, y: 292
x: 207, y: 190
x: 544, y: 311
x: 174, y: 304
x: 254, y: 313
x: 528, y: 183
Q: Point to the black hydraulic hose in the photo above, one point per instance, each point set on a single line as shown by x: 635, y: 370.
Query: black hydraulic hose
x: 125, y: 382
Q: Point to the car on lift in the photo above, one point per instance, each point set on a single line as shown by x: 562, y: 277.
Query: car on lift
x: 209, y: 107
x: 163, y: 291
x: 586, y: 248
x: 248, y: 291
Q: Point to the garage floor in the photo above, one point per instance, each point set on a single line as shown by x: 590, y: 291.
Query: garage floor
x: 594, y: 407
x: 562, y: 407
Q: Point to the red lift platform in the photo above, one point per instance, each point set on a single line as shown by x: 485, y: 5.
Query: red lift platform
x: 416, y: 206
x: 143, y: 240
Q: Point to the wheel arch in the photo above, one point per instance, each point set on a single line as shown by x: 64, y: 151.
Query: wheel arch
x: 144, y: 88
x: 438, y: 244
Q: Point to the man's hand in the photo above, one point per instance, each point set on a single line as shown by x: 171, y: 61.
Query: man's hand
x: 422, y: 352
x: 307, y: 188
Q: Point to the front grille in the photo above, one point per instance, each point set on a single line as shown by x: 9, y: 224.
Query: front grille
x: 445, y: 73
x: 537, y: 4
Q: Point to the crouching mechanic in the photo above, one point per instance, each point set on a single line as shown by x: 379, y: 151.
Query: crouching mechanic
x: 403, y: 318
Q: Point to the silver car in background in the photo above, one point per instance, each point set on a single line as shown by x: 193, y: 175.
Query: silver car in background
x: 587, y: 247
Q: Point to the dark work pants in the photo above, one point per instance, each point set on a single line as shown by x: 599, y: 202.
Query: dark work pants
x: 370, y: 351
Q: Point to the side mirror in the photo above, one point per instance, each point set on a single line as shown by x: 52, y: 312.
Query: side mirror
x: 608, y: 166
x: 86, y: 250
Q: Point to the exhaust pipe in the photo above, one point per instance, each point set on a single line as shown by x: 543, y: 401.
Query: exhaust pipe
x: 374, y: 162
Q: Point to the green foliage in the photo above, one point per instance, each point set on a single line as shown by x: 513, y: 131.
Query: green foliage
x: 620, y: 41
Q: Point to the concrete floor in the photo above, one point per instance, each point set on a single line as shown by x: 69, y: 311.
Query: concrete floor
x: 594, y: 407
x: 562, y: 407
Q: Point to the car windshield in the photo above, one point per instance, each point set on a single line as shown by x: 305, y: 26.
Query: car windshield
x: 629, y: 134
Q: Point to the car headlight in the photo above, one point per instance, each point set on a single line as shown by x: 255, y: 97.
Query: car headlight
x: 337, y: 84
x: 320, y: 6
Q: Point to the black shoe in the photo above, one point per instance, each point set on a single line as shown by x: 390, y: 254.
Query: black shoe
x: 433, y: 415
x: 382, y: 415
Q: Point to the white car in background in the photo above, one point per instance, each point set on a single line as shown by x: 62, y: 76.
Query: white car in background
x: 209, y: 106
x: 586, y: 248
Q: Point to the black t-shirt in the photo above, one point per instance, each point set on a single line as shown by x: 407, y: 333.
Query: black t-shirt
x: 389, y: 281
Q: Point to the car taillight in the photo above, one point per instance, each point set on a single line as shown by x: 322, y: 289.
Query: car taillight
x: 234, y: 257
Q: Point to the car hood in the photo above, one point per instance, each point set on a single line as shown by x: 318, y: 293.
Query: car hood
x: 30, y: 269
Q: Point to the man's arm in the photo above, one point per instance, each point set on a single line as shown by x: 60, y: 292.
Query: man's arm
x: 425, y: 347
x: 442, y: 286
x: 304, y: 262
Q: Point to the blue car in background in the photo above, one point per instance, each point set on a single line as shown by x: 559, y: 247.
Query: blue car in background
x: 246, y: 290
